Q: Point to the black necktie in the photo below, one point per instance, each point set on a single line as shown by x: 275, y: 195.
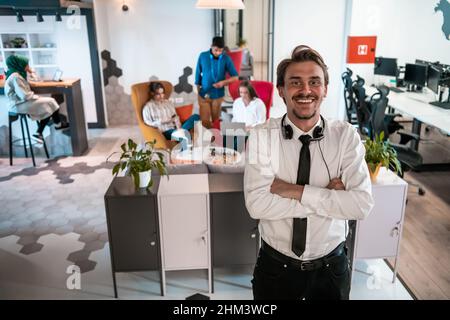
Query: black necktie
x: 299, y: 224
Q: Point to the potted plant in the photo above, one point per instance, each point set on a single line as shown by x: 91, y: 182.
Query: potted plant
x: 381, y: 153
x: 18, y: 42
x: 139, y: 162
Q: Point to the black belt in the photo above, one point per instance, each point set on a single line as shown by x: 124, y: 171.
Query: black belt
x: 302, y: 265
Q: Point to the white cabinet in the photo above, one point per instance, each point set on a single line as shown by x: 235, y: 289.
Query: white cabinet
x: 378, y: 236
x: 185, y: 231
x: 183, y: 202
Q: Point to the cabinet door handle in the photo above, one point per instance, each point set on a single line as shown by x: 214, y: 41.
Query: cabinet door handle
x: 395, y: 232
x: 204, y: 236
x: 152, y: 243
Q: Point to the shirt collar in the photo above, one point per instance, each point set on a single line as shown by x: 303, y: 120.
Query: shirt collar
x: 297, y: 131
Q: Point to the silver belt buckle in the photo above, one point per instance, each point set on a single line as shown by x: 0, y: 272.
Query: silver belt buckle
x: 306, y: 266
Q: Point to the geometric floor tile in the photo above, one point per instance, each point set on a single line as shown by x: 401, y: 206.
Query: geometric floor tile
x: 67, y: 196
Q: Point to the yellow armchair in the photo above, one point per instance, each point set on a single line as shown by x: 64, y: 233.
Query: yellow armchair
x: 139, y: 97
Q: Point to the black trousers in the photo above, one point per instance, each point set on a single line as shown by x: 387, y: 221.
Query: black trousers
x: 275, y: 280
x: 55, y: 116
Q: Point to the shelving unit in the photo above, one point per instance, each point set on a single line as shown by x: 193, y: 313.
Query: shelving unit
x: 39, y: 48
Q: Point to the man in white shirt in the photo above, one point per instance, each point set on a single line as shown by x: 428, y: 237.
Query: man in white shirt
x: 303, y: 192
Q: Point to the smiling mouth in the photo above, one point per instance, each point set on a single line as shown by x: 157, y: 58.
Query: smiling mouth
x: 303, y: 100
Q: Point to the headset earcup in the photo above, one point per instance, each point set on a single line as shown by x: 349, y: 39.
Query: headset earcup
x: 289, y: 132
x: 317, y: 133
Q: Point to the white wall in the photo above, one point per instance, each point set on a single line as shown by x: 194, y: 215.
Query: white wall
x: 405, y: 29
x: 255, y: 28
x: 154, y: 37
x: 231, y: 28
x: 73, y: 56
x: 319, y: 24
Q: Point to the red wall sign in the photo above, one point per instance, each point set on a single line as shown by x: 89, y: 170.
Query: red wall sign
x: 361, y: 49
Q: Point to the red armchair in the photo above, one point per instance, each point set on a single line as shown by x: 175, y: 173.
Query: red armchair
x: 264, y: 90
x: 236, y: 57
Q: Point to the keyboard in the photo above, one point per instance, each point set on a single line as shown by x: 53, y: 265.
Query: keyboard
x: 444, y: 105
x: 394, y: 89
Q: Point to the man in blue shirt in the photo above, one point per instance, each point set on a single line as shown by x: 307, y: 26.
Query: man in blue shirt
x: 210, y: 79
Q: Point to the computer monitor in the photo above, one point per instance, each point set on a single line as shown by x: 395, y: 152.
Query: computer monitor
x: 434, y: 75
x: 385, y: 66
x: 416, y: 74
x: 423, y: 62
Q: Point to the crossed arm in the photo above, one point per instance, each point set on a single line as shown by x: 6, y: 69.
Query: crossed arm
x: 295, y: 191
x: 348, y: 197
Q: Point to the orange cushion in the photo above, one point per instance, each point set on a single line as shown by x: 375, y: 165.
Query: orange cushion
x: 184, y: 112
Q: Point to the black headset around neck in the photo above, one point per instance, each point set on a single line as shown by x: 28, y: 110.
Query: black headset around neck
x: 288, y: 132
x: 318, y: 135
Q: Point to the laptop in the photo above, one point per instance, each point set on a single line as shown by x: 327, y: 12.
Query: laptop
x: 56, y: 76
x: 232, y: 128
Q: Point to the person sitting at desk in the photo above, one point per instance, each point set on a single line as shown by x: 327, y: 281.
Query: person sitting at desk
x: 23, y: 100
x: 248, y: 108
x: 160, y: 113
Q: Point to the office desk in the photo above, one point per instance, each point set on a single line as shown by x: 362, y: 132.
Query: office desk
x: 417, y: 105
x: 71, y: 89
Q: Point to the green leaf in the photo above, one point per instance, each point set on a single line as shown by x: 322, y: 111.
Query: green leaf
x: 115, y: 169
x: 136, y: 179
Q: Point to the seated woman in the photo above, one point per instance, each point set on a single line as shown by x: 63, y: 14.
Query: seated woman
x: 160, y: 113
x: 23, y: 100
x: 248, y: 108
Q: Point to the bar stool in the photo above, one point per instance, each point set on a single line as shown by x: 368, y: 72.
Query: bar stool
x: 12, y: 117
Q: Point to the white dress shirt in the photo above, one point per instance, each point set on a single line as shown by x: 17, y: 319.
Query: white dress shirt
x: 271, y: 156
x: 253, y: 114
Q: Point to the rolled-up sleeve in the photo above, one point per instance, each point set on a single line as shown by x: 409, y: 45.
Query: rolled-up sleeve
x: 355, y: 202
x: 258, y: 178
x: 198, y: 72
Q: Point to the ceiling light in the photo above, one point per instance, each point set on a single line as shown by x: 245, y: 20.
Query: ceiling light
x: 39, y: 17
x: 19, y: 17
x: 220, y: 4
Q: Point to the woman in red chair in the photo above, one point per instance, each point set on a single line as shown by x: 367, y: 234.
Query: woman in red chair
x: 248, y: 108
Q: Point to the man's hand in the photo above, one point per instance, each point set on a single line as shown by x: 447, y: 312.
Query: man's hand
x: 218, y: 85
x: 286, y: 190
x: 336, y: 184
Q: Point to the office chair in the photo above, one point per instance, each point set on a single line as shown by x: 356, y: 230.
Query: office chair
x: 264, y: 90
x: 139, y: 97
x: 409, y: 158
x: 236, y: 57
x: 363, y: 112
x: 349, y: 96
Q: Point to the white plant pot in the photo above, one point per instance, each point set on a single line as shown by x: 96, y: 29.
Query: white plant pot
x: 144, y: 178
